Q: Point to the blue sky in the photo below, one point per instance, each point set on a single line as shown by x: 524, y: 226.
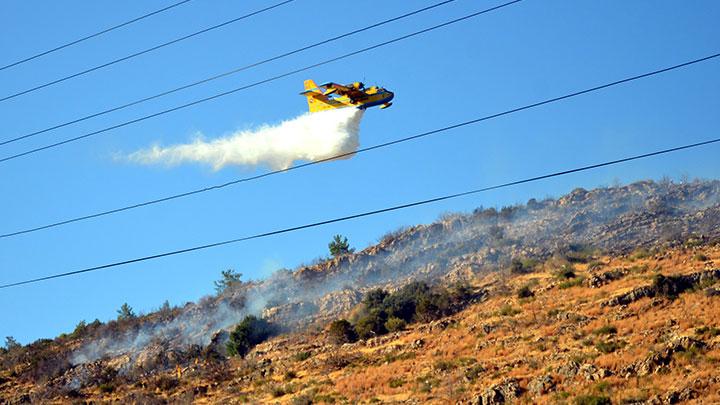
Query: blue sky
x: 514, y: 56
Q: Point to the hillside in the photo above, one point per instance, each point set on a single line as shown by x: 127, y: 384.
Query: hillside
x: 601, y: 295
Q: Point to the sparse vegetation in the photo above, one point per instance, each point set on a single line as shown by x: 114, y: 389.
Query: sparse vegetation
x: 707, y: 331
x: 574, y: 282
x: 302, y: 356
x: 396, y: 382
x: 579, y: 254
x: 608, y: 347
x: 592, y: 400
x: 453, y: 343
x: 508, y: 310
x: 523, y: 266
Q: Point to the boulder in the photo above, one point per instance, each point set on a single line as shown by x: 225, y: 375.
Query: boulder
x: 505, y: 392
x: 569, y: 369
x: 541, y: 385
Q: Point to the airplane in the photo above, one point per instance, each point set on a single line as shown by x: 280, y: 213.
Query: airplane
x: 329, y: 96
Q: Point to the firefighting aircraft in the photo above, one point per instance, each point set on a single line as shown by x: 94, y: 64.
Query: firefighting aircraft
x: 328, y: 96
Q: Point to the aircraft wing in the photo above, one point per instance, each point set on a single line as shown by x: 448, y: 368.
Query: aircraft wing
x: 312, y: 92
x: 344, y: 90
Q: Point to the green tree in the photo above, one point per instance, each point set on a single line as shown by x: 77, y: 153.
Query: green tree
x: 371, y: 325
x: 339, y: 246
x: 341, y: 331
x: 248, y: 333
x: 374, y: 299
x: 125, y: 312
x: 229, y: 278
x: 395, y: 324
x: 79, y: 331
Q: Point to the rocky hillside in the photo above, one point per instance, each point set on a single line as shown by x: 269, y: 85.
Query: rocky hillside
x: 616, y: 303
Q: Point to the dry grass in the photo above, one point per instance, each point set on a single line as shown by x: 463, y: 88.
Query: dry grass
x: 502, y: 337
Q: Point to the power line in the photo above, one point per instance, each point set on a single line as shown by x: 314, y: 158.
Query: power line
x: 97, y: 34
x: 363, y: 214
x: 238, y: 89
x: 224, y: 74
x: 361, y: 150
x: 136, y: 54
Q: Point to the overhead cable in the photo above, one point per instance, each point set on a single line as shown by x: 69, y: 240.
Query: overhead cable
x: 361, y: 150
x: 144, y: 51
x: 97, y: 34
x: 360, y: 215
x: 221, y: 75
x: 238, y: 89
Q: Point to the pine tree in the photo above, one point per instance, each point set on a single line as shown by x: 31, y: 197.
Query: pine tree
x: 125, y: 312
x: 339, y: 246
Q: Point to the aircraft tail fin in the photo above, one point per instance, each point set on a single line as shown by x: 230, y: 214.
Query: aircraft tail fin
x: 310, y: 85
x: 317, y: 101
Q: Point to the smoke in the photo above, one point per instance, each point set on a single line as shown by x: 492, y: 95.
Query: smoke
x: 613, y: 219
x: 309, y: 137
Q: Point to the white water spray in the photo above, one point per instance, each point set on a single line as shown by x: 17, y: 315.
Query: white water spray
x: 309, y: 137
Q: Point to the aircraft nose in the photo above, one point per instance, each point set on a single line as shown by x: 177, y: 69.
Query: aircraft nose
x: 391, y: 95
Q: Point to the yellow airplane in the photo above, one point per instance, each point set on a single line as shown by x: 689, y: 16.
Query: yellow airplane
x: 329, y: 96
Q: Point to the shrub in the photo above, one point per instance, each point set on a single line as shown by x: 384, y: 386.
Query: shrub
x: 341, y: 331
x: 595, y: 265
x: 579, y: 253
x: 304, y: 399
x: 396, y: 382
x: 522, y: 266
x: 592, y: 400
x: 605, y: 330
x: 277, y: 391
x: 395, y: 324
x: 507, y: 310
x: 290, y: 375
x: 525, y: 292
x: 607, y: 347
x: 669, y: 287
x: 164, y: 383
x: 444, y: 365
x: 339, y: 246
x: 106, y: 388
x: 371, y: 325
x: 391, y: 358
x: 640, y: 254
x: 571, y: 283
x: 566, y: 272
x: 302, y: 356
x: 247, y: 334
x: 701, y: 257
x: 707, y: 331
x: 472, y: 373
x: 416, y: 301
